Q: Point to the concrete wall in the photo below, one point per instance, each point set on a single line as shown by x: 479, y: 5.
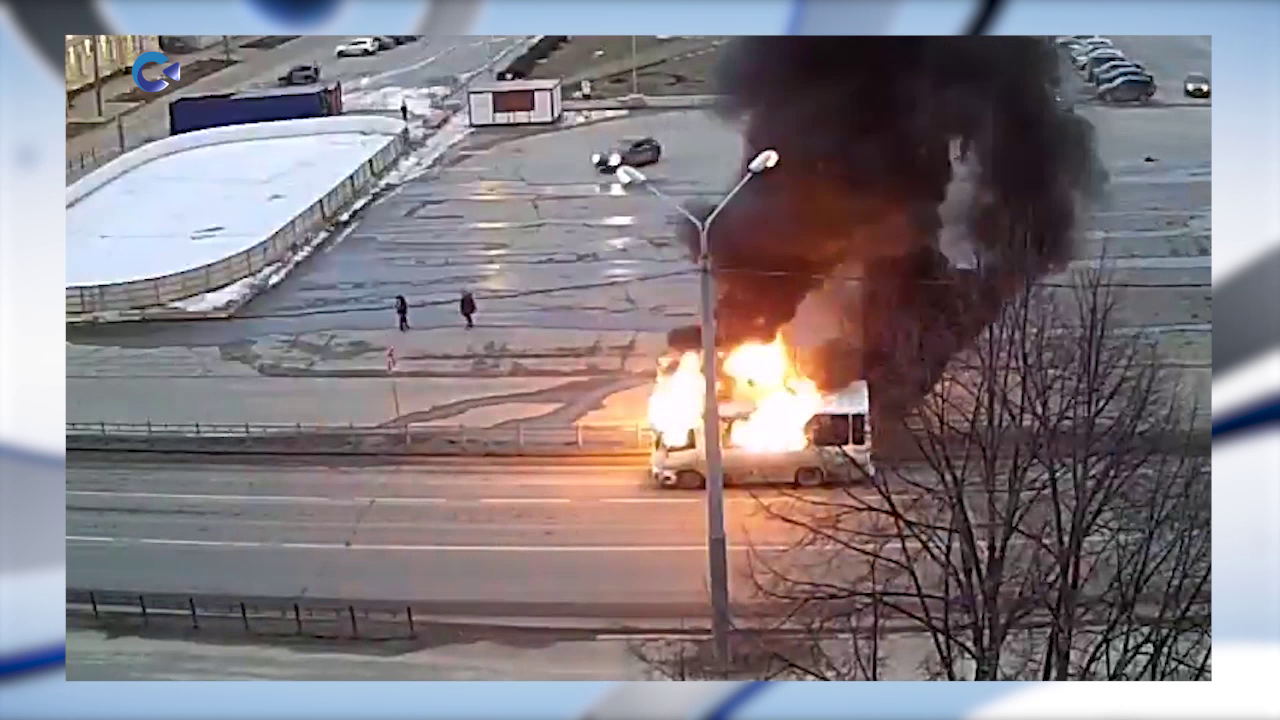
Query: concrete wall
x: 83, y: 300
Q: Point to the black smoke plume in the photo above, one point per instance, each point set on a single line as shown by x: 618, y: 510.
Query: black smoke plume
x: 865, y: 129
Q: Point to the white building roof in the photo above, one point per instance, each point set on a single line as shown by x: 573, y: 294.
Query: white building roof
x: 506, y: 85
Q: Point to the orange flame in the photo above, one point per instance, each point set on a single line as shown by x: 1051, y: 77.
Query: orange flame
x: 675, y: 407
x: 782, y: 400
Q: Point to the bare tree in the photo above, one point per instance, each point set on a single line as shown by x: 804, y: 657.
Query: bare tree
x: 1054, y: 526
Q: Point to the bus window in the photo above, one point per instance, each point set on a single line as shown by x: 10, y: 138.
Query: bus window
x: 829, y: 430
x: 858, y: 429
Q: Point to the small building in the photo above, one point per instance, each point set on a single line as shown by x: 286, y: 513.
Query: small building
x: 116, y: 54
x: 514, y: 102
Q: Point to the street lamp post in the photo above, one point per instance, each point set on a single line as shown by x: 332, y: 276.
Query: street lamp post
x: 635, y: 77
x: 717, y: 555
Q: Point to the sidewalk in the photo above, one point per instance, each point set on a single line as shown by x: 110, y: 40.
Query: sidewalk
x: 143, y: 123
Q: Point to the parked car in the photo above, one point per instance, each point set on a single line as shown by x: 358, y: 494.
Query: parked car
x: 1129, y: 88
x: 1113, y: 75
x: 1082, y: 58
x: 1093, y: 62
x: 636, y: 152
x: 357, y: 46
x: 405, y: 39
x: 1094, y: 73
x: 385, y: 42
x: 301, y: 75
x: 1196, y: 85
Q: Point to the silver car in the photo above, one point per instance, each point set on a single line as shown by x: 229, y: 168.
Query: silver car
x: 1196, y: 86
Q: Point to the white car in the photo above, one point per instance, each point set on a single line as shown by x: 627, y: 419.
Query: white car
x: 1094, y: 41
x: 358, y: 46
x: 1093, y: 57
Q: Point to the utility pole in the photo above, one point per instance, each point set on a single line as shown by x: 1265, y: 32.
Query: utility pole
x: 717, y: 553
x: 97, y: 74
x: 635, y: 79
x: 226, y: 47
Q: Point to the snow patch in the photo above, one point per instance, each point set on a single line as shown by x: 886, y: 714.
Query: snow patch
x: 420, y: 161
x: 191, y: 208
x: 412, y: 166
x: 419, y: 101
x: 581, y: 117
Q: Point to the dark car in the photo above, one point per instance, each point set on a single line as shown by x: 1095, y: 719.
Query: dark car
x: 405, y: 39
x: 1112, y: 75
x: 636, y: 152
x: 385, y: 42
x: 301, y: 75
x: 1196, y: 86
x: 1062, y: 102
x: 1130, y: 88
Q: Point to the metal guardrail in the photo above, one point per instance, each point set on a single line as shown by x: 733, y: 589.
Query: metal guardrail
x: 363, y: 619
x: 596, y: 436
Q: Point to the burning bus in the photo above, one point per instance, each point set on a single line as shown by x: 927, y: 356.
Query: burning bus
x: 776, y: 427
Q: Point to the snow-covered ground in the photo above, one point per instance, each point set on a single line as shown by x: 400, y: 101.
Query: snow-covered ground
x: 419, y: 101
x: 194, y: 207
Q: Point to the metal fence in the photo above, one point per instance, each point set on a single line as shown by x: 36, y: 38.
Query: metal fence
x: 594, y: 436
x: 85, y: 300
x: 85, y: 162
x: 363, y: 619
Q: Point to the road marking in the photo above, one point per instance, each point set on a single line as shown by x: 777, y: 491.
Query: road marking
x: 407, y: 68
x: 553, y: 501
x: 412, y: 500
x: 248, y: 544
x: 299, y: 499
x: 639, y: 500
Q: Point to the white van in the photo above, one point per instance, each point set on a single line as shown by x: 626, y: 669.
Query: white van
x: 839, y: 450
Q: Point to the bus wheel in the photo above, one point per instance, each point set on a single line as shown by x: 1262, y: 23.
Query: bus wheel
x: 690, y: 480
x: 809, y: 477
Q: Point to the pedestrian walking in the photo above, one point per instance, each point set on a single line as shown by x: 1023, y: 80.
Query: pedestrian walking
x: 468, y: 308
x: 404, y: 111
x: 402, y: 310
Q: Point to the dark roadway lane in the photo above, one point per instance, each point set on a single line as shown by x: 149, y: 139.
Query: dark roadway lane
x: 476, y: 534
x: 456, y: 532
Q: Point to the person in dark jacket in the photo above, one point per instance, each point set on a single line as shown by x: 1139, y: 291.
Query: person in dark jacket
x: 402, y: 310
x: 404, y: 110
x: 468, y: 308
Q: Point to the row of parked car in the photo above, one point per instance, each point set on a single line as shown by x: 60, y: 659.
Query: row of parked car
x: 372, y: 45
x: 1115, y: 77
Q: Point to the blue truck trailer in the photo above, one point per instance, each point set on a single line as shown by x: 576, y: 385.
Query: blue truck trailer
x: 198, y: 112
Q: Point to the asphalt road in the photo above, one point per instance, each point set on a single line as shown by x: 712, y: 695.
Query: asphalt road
x: 466, y: 531
x: 551, y: 248
x: 478, y: 537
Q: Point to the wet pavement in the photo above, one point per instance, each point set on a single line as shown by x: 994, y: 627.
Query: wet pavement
x: 576, y: 278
